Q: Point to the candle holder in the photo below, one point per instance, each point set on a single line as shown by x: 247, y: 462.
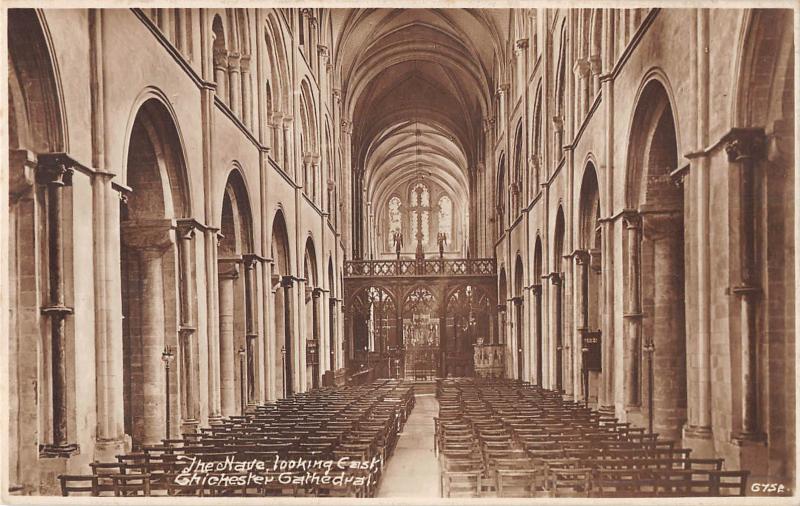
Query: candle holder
x: 167, y: 356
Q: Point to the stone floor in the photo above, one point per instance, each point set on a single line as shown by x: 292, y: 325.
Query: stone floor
x: 413, y: 470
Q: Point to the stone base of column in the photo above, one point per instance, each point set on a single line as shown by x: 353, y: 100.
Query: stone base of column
x: 215, y: 419
x: 700, y: 440
x: 189, y: 426
x: 49, y: 469
x: 106, y: 450
x: 750, y: 453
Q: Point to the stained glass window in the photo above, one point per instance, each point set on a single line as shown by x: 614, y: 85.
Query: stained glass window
x: 446, y: 216
x: 395, y: 223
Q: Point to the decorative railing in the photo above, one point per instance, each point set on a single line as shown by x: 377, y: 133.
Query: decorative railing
x: 428, y: 267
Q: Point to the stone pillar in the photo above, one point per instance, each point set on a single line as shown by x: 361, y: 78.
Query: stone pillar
x: 558, y: 137
x: 633, y: 311
x: 110, y: 436
x: 221, y: 72
x: 537, y: 329
x: 286, y: 135
x: 581, y: 71
x: 247, y: 110
x: 582, y: 260
x: 307, y: 184
x: 286, y: 346
x: 595, y: 68
x: 557, y: 281
x: 277, y: 136
x: 518, y: 336
x: 152, y: 239
x: 228, y: 273
x: 315, y: 293
x: 251, y: 331
x: 669, y: 362
x: 54, y: 173
x: 190, y: 404
x: 212, y: 238
x: 745, y: 147
x: 235, y: 84
x: 315, y: 180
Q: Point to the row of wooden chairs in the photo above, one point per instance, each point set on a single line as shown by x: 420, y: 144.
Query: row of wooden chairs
x: 513, y: 439
x: 356, y: 423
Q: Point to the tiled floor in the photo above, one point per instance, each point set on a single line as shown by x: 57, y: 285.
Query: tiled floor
x: 413, y: 470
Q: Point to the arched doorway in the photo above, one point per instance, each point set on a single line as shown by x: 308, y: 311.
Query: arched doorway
x: 468, y: 323
x: 149, y: 265
x: 282, y: 282
x: 588, y: 285
x: 421, y: 327
x: 653, y: 156
x: 237, y: 285
x: 312, y: 324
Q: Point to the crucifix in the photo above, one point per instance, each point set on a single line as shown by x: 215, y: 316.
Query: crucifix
x: 419, y: 209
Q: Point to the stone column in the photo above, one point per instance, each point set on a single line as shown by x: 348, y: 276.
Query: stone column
x: 307, y: 184
x: 190, y: 405
x: 55, y: 173
x: 518, y: 336
x: 633, y: 310
x: 537, y: 328
x: 286, y: 135
x: 558, y: 137
x: 315, y: 180
x: 277, y: 137
x: 286, y: 346
x: 152, y: 238
x: 247, y: 110
x: 221, y: 72
x: 557, y: 281
x: 315, y: 293
x: 212, y: 239
x: 595, y: 68
x: 669, y: 362
x: 235, y: 84
x: 228, y: 273
x: 581, y: 71
x: 582, y: 260
x: 745, y: 147
x: 251, y: 331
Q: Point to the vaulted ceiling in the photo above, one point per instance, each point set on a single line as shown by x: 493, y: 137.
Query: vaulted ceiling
x: 417, y: 83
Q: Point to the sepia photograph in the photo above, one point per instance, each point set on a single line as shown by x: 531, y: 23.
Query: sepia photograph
x: 433, y: 252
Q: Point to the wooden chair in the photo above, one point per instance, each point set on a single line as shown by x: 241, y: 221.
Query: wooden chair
x: 78, y: 484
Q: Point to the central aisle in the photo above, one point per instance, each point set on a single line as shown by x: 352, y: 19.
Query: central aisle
x: 413, y: 470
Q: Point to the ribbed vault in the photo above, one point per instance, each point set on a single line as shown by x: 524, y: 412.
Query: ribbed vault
x: 416, y: 87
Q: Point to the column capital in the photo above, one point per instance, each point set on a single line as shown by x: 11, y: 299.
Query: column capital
x: 517, y: 301
x: 220, y: 56
x: 347, y: 126
x: 537, y: 289
x: 244, y: 63
x: 659, y: 224
x: 595, y: 64
x: 155, y: 235
x: 556, y: 278
x: 581, y: 67
x: 323, y: 51
x: 229, y: 267
x: 744, y: 143
x: 316, y: 292
x: 502, y: 89
x: 632, y: 219
x: 337, y: 94
x: 558, y: 122
x: 185, y: 228
x: 581, y: 256
x: 55, y: 169
x: 521, y: 44
x: 287, y: 281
